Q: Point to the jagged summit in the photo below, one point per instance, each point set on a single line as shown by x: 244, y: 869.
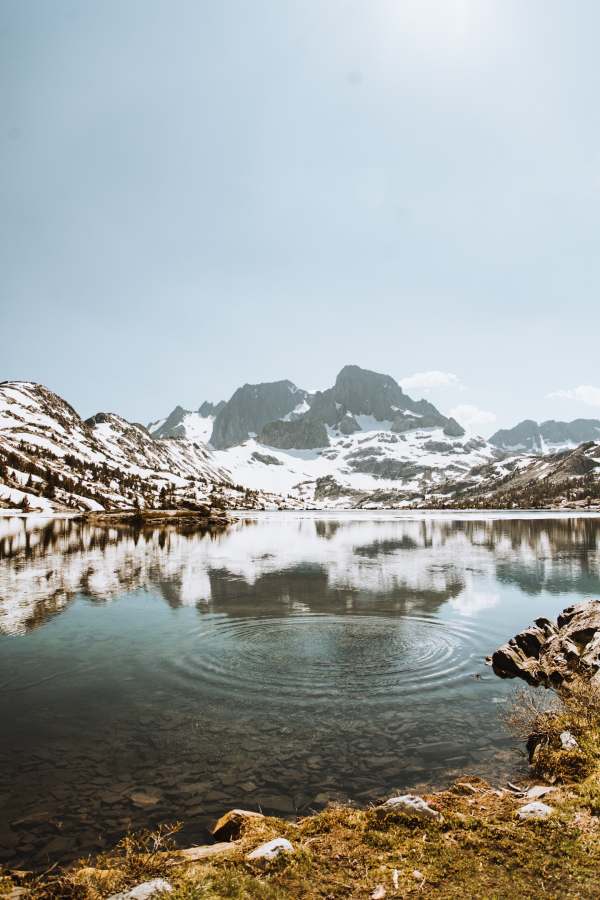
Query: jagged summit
x: 273, y: 412
x: 253, y: 406
x: 360, y: 392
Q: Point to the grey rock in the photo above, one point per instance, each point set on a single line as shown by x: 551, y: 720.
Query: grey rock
x: 554, y: 655
x: 534, y: 438
x: 539, y: 790
x: 144, y: 891
x: 302, y: 434
x: 266, y: 459
x: 271, y: 849
x: 412, y: 805
x: 251, y: 407
x: 534, y: 810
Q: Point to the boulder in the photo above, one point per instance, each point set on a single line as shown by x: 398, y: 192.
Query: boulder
x: 229, y: 826
x: 554, y: 655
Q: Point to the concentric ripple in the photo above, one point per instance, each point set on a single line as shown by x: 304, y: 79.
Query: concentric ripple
x: 304, y: 659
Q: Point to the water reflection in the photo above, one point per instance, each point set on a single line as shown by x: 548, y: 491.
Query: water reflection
x: 300, y: 563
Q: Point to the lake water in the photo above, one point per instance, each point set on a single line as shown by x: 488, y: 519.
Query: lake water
x: 292, y: 660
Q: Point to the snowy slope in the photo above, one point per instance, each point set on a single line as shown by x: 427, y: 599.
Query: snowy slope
x: 569, y: 478
x: 371, y: 460
x: 105, y: 462
x: 195, y: 425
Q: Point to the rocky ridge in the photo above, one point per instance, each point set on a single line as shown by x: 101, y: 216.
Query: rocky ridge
x: 546, y: 437
x: 569, y: 479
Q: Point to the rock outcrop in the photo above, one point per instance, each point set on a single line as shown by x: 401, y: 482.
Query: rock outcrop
x: 298, y: 435
x: 555, y: 655
x: 251, y: 408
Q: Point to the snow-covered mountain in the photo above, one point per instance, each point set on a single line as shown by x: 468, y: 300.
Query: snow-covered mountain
x: 363, y: 440
x: 546, y: 437
x: 50, y: 458
x: 361, y: 443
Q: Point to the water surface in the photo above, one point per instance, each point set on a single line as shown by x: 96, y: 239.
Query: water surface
x: 293, y: 660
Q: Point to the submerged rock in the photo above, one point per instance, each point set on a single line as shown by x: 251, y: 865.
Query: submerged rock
x: 144, y: 799
x: 551, y: 654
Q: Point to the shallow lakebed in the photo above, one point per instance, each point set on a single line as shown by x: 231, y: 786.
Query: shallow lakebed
x: 296, y: 658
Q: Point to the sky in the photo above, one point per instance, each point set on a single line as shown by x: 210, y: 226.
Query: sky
x: 195, y: 195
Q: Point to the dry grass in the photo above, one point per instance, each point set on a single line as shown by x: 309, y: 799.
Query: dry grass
x: 541, y: 717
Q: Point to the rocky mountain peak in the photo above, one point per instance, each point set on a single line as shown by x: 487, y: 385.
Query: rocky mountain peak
x: 251, y: 408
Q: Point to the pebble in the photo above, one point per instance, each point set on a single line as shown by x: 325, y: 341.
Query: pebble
x: 568, y: 741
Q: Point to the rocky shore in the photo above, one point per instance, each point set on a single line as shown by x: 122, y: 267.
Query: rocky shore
x: 202, y: 516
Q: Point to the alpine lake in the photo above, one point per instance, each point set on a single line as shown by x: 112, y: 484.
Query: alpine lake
x: 292, y: 660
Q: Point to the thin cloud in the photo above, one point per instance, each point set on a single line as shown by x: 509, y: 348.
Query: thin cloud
x: 426, y: 381
x: 584, y: 393
x: 471, y: 417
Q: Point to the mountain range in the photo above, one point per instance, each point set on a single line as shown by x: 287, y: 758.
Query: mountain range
x: 546, y: 437
x: 361, y: 442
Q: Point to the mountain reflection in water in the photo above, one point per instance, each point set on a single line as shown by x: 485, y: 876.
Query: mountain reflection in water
x: 291, y: 660
x: 305, y: 562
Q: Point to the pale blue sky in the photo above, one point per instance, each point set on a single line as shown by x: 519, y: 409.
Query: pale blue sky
x: 198, y: 194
